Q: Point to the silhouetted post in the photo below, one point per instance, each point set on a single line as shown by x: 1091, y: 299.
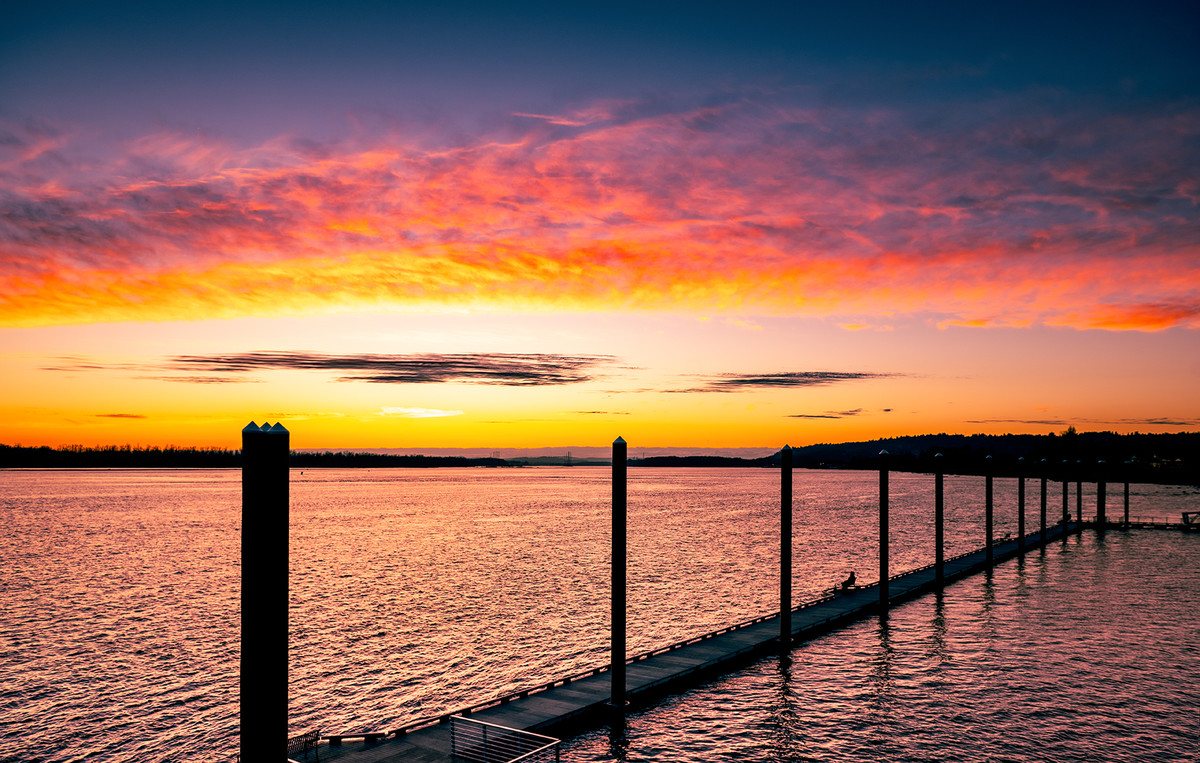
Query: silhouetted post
x: 1021, y: 504
x: 1101, y: 497
x: 264, y: 658
x: 883, y: 532
x: 1079, y: 494
x: 619, y: 538
x: 939, y: 524
x: 785, y: 547
x: 988, y: 508
x: 1126, y: 475
x: 1042, y: 532
x: 1066, y: 509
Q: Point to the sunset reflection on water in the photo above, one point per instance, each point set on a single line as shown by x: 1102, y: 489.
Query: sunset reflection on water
x: 415, y: 592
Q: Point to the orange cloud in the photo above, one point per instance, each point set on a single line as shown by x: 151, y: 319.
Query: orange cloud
x: 741, y: 207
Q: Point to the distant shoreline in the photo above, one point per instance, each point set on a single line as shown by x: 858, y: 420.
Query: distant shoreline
x: 1172, y: 459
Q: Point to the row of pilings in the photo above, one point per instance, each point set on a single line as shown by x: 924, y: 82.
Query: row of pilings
x: 1042, y: 471
x: 264, y: 547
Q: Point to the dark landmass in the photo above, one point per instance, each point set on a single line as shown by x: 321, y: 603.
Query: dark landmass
x: 704, y: 461
x: 1160, y: 458
x: 352, y: 460
x: 559, y: 461
x: 128, y: 457
x: 117, y: 457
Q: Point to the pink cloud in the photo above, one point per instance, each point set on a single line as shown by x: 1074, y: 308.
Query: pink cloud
x: 747, y: 205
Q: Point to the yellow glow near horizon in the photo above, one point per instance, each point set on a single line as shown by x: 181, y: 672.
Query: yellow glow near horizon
x: 97, y: 385
x: 947, y: 288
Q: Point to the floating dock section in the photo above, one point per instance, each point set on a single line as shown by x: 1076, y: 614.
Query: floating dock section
x: 581, y: 701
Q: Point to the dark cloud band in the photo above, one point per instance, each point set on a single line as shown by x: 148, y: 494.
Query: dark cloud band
x: 827, y: 414
x: 744, y: 382
x: 508, y: 369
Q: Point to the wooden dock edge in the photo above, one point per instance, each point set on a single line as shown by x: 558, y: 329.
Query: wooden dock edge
x: 587, y: 695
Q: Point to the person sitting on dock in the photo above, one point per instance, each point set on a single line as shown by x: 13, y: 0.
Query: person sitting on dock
x: 848, y: 583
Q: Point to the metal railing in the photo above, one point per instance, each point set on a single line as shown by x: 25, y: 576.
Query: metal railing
x: 1118, y: 518
x: 302, y: 744
x: 480, y: 742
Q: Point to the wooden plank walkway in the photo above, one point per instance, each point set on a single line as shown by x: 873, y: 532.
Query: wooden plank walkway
x: 580, y: 701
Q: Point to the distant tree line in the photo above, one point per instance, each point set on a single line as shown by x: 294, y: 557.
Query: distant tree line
x: 352, y: 460
x: 704, y: 461
x: 116, y: 457
x: 1161, y: 458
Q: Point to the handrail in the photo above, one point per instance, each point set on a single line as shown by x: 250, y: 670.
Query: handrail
x: 1119, y: 519
x: 477, y: 747
x: 302, y: 743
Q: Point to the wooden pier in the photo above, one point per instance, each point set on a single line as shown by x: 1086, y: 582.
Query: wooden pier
x: 582, y: 700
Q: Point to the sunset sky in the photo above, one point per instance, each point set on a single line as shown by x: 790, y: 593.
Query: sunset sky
x: 512, y: 225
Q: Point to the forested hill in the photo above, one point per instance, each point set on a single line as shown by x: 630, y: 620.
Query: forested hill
x: 1165, y: 458
x: 1169, y: 458
x: 1173, y: 458
x: 129, y: 457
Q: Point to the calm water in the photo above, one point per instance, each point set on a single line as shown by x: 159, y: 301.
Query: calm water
x: 418, y: 591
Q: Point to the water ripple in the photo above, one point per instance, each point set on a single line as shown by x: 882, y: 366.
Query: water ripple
x: 414, y: 592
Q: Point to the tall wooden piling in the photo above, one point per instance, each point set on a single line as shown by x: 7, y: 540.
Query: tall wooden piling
x: 1021, y: 504
x: 939, y: 523
x: 1101, y: 497
x: 785, y: 548
x: 988, y: 508
x: 1079, y: 493
x: 1128, y: 464
x: 1042, y: 532
x: 619, y: 548
x: 1066, y: 499
x: 883, y: 532
x: 263, y: 691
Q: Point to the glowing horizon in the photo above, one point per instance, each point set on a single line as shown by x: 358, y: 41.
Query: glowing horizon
x: 932, y: 239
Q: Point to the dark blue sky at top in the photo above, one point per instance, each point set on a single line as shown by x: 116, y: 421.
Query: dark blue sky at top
x: 253, y: 70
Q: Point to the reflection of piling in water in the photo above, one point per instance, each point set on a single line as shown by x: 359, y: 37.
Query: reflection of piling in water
x: 785, y: 548
x: 1021, y: 504
x: 619, y: 542
x: 1101, y: 496
x: 1126, y: 476
x: 264, y: 656
x: 939, y: 524
x: 1079, y: 494
x: 988, y: 506
x: 883, y: 533
x: 1066, y: 502
x: 1042, y: 534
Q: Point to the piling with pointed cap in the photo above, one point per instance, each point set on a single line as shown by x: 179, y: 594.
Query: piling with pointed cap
x: 264, y: 656
x: 988, y: 508
x: 939, y: 524
x: 1021, y: 504
x: 1042, y: 532
x: 785, y: 548
x: 619, y: 544
x: 883, y: 532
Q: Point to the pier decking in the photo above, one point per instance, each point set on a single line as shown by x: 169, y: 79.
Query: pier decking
x: 582, y: 700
